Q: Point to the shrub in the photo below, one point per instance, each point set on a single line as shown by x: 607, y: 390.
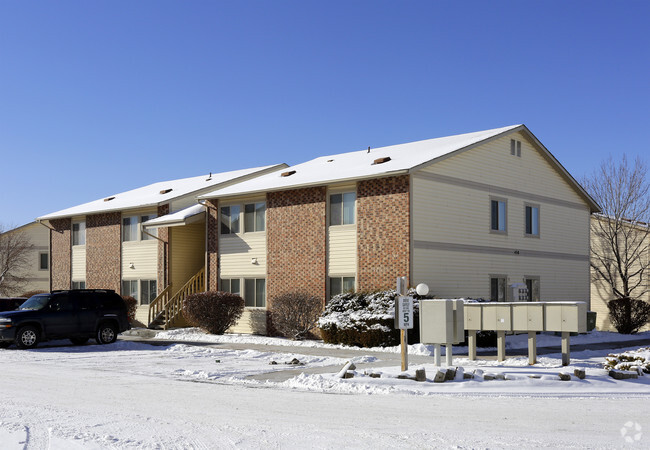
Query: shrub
x: 628, y: 360
x: 628, y: 315
x: 131, y: 307
x: 365, y: 319
x: 295, y: 314
x: 213, y: 311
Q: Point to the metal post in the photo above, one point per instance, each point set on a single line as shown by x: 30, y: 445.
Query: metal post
x: 436, y: 354
x: 566, y: 353
x: 501, y: 345
x: 471, y: 343
x: 532, y: 347
x: 449, y: 355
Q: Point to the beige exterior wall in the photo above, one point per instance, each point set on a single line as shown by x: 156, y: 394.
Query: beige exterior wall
x: 342, y: 250
x: 454, y: 250
x: 78, y: 263
x: 143, y: 255
x: 237, y: 252
x: 187, y: 253
x: 39, y: 237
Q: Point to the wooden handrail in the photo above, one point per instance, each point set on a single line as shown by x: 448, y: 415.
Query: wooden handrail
x: 174, y: 305
x: 157, y: 305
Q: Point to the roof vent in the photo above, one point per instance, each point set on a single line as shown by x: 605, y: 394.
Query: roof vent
x: 165, y: 191
x: 381, y: 160
x: 287, y: 174
x: 330, y: 160
x: 108, y: 199
x: 209, y: 177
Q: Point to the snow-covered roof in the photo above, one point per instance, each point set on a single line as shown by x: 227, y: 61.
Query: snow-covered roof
x: 182, y: 217
x: 359, y: 165
x: 156, y: 194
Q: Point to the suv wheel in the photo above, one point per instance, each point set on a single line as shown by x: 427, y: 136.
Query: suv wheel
x: 79, y: 340
x: 106, y: 334
x: 27, y: 337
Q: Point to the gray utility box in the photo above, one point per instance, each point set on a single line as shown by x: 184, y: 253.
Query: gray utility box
x: 566, y: 316
x: 441, y: 322
x: 497, y: 317
x: 528, y: 316
x: 473, y: 313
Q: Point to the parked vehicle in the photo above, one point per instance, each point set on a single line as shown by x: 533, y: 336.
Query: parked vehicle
x: 76, y: 314
x: 11, y: 303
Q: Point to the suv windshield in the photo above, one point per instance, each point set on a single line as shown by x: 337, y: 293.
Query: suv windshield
x: 35, y: 303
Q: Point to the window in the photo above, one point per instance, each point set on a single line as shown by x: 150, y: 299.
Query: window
x: 79, y: 233
x: 515, y: 147
x: 532, y: 220
x: 339, y: 285
x: 498, y: 288
x: 232, y: 286
x: 342, y: 208
x: 532, y: 283
x: 498, y: 216
x: 148, y: 291
x: 152, y: 233
x: 43, y: 261
x: 78, y: 285
x: 129, y: 229
x: 254, y: 217
x: 230, y: 219
x: 130, y: 288
x: 255, y: 292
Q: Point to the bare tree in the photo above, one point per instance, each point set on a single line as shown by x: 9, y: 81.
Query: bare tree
x: 621, y: 234
x: 15, y: 249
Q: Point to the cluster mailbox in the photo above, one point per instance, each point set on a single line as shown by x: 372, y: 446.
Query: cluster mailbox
x: 566, y: 317
x: 497, y: 317
x: 447, y: 315
x: 528, y: 316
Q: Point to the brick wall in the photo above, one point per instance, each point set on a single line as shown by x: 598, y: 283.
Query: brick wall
x: 104, y: 251
x: 296, y: 242
x: 383, y: 232
x: 212, y: 269
x: 163, y: 251
x: 61, y: 254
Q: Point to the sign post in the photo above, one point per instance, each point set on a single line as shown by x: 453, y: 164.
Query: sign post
x: 403, y: 318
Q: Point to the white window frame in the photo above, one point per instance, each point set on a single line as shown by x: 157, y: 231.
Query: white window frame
x: 342, y: 281
x: 135, y: 224
x: 78, y: 284
x: 499, y: 201
x: 79, y: 235
x: 533, y: 295
x: 138, y: 288
x: 503, y: 278
x: 225, y: 284
x: 345, y: 199
x: 40, y: 260
x: 258, y: 214
x: 533, y: 222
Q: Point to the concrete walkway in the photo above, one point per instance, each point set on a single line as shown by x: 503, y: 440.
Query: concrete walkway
x: 385, y: 358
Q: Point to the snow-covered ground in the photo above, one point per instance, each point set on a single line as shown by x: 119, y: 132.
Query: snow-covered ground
x: 221, y: 395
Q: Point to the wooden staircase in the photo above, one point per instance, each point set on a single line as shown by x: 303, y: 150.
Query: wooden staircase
x: 165, y: 310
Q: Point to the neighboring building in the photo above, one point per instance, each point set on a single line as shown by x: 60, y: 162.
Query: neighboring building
x: 101, y: 244
x: 37, y: 271
x: 637, y: 237
x: 470, y: 215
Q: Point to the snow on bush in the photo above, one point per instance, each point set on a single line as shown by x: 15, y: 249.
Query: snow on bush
x: 629, y: 360
x: 365, y: 319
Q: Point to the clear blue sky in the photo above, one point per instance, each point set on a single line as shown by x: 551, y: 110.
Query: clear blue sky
x: 98, y: 97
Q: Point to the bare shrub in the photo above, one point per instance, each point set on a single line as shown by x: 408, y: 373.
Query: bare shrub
x: 131, y: 307
x: 213, y: 311
x: 32, y: 293
x: 294, y: 315
x: 628, y: 315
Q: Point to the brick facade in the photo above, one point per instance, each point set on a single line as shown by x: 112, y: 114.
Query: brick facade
x: 212, y: 262
x: 163, y: 251
x: 296, y: 242
x: 61, y: 254
x: 104, y: 251
x: 383, y: 232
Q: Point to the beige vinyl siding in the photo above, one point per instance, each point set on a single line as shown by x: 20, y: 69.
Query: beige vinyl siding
x: 78, y: 263
x: 463, y: 274
x: 39, y: 236
x: 253, y: 320
x: 187, y: 253
x: 492, y: 163
x: 236, y: 252
x: 342, y: 250
x: 182, y: 203
x: 454, y: 250
x: 144, y: 256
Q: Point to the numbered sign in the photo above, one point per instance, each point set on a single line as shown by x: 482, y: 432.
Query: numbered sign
x: 404, y: 313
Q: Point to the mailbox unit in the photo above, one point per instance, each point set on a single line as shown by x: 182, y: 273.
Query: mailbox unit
x: 566, y: 316
x: 528, y: 316
x: 446, y: 331
x: 497, y: 317
x: 473, y: 316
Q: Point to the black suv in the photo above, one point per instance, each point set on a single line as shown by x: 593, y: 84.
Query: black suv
x: 76, y: 314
